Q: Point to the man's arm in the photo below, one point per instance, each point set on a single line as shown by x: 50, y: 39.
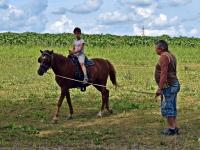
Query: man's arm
x: 164, y: 62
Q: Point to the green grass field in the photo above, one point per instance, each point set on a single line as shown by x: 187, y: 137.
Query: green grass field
x: 28, y: 102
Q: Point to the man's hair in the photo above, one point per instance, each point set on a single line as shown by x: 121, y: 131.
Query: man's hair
x: 161, y: 44
x: 77, y: 29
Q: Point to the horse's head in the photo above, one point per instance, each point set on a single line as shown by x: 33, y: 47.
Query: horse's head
x: 45, y: 61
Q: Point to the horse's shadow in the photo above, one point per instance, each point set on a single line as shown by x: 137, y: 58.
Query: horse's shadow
x: 85, y: 115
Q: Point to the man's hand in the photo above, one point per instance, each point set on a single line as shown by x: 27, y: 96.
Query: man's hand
x: 158, y: 92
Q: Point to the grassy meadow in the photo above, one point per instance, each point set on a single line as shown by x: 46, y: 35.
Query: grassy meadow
x: 28, y: 103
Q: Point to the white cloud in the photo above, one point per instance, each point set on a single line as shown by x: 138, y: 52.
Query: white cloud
x: 3, y: 4
x: 87, y: 7
x: 15, y: 13
x: 11, y: 18
x: 140, y: 3
x: 128, y: 18
x: 144, y: 12
x: 36, y: 23
x: 94, y: 29
x: 178, y: 2
x: 137, y: 30
x: 153, y: 32
x: 27, y: 19
x: 179, y: 30
x: 112, y: 17
x: 60, y: 11
x: 174, y: 20
x: 117, y: 17
x: 63, y: 24
x: 182, y: 30
x: 36, y: 7
x: 161, y: 20
x: 155, y: 23
x: 194, y: 32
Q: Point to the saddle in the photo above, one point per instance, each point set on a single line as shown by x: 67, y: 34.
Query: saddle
x: 74, y: 59
x: 78, y: 71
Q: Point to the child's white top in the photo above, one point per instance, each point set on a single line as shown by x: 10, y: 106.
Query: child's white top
x: 77, y: 44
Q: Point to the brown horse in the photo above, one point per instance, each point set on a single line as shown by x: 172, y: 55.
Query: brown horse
x: 64, y: 68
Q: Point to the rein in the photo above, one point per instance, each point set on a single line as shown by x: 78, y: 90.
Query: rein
x: 135, y: 91
x: 80, y: 81
x: 72, y: 79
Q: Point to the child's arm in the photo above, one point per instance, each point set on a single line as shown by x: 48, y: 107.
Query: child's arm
x: 79, y: 49
x: 71, y: 51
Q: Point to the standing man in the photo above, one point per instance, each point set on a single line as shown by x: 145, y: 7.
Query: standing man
x: 168, y: 85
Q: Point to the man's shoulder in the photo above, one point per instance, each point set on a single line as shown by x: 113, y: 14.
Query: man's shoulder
x: 164, y: 58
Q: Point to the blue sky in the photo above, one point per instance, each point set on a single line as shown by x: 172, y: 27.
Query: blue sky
x: 120, y: 17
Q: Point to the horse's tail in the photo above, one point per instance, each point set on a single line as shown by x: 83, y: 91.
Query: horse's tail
x: 112, y: 73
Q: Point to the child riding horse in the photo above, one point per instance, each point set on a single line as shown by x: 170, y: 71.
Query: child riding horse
x: 63, y: 66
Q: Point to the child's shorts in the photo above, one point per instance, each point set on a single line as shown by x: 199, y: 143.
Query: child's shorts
x: 168, y: 101
x: 81, y: 58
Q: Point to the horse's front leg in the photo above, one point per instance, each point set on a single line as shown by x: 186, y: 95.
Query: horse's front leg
x: 59, y: 103
x: 69, y: 104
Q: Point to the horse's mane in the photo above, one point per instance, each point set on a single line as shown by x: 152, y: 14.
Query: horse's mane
x: 60, y: 57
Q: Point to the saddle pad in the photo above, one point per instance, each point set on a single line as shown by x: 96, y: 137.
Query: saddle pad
x: 74, y: 59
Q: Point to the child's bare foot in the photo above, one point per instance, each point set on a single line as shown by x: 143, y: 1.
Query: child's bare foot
x: 85, y: 80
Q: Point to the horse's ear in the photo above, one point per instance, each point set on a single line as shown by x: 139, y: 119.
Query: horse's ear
x: 41, y: 51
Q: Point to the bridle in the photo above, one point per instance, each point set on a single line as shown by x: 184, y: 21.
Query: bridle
x: 45, y: 66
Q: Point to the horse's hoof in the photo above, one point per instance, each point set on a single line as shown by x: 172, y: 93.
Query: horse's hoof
x: 100, y: 115
x: 111, y: 111
x: 55, y: 120
x: 69, y: 118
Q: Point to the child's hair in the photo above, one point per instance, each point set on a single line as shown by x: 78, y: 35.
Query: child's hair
x: 77, y: 29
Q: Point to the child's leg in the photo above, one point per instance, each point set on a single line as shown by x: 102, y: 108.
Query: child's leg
x: 81, y: 59
x: 84, y: 71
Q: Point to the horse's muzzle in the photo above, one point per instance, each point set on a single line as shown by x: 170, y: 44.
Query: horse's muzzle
x: 41, y: 71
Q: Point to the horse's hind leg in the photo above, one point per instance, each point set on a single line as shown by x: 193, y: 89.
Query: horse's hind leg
x: 59, y: 103
x: 69, y: 104
x: 107, y: 102
x: 105, y: 98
